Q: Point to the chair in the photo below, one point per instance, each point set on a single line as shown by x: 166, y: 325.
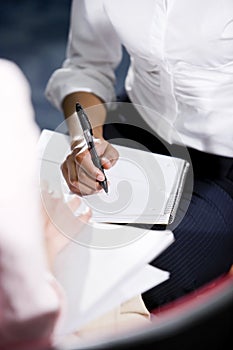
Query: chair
x: 201, y: 320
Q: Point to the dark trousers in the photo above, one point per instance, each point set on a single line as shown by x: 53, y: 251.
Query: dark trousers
x: 203, y: 247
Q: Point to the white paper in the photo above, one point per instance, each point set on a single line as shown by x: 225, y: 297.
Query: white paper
x: 96, y: 280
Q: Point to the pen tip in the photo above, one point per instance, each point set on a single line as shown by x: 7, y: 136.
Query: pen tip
x: 78, y: 107
x: 105, y: 186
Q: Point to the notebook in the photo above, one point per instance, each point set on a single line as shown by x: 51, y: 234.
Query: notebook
x: 145, y: 188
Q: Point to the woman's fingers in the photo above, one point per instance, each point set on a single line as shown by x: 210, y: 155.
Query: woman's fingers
x: 109, y: 154
x: 81, y: 175
x: 60, y: 218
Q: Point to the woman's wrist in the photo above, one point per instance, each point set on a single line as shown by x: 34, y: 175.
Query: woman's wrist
x: 96, y: 114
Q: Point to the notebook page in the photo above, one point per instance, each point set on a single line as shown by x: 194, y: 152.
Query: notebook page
x: 142, y: 185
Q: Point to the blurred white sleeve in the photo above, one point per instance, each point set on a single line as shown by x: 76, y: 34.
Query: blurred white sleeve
x: 29, y: 302
x: 93, y: 52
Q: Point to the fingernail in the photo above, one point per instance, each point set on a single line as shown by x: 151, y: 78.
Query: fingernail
x: 100, y: 177
x: 86, y: 211
x: 106, y: 162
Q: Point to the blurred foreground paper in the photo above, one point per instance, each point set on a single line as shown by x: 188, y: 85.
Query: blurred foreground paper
x: 96, y: 280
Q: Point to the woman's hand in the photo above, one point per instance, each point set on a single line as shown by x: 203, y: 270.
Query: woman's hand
x: 79, y: 171
x: 60, y: 224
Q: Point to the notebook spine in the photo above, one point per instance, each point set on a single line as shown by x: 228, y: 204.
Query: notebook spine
x: 174, y: 199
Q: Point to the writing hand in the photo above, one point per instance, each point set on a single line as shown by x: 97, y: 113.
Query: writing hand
x: 79, y: 171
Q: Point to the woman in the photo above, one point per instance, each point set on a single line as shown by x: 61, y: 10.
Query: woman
x: 181, y: 73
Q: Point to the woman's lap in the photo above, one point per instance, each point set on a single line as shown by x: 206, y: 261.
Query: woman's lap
x: 203, y: 247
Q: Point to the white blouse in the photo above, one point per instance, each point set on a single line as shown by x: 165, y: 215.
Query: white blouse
x: 181, y: 67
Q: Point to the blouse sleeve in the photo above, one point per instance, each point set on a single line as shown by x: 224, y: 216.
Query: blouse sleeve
x: 93, y: 52
x: 30, y: 303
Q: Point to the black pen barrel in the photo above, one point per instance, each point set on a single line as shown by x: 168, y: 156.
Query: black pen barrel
x: 96, y: 161
x: 88, y: 134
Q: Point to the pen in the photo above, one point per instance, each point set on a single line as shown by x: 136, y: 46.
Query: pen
x: 88, y: 134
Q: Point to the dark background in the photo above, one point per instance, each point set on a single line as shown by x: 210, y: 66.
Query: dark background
x: 33, y: 34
